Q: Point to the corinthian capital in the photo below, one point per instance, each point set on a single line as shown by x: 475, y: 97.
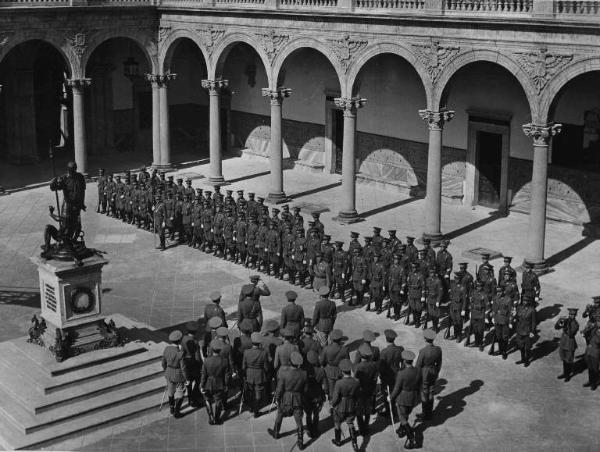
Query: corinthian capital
x: 276, y: 95
x: 350, y: 104
x: 79, y: 83
x: 541, y: 134
x: 160, y: 79
x: 436, y: 119
x: 214, y: 87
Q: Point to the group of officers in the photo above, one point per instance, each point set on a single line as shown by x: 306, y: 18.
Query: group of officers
x: 298, y: 363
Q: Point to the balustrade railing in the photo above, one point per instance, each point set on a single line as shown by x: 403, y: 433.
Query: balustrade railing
x: 578, y: 7
x: 309, y: 3
x: 483, y: 6
x: 390, y: 4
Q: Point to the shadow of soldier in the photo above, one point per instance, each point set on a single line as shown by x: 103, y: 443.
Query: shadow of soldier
x: 548, y: 312
x: 543, y: 349
x: 448, y: 406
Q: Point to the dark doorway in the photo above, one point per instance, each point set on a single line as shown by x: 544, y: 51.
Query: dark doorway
x: 338, y: 138
x: 489, y: 164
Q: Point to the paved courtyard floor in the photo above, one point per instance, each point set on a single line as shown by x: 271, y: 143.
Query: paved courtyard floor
x: 482, y: 402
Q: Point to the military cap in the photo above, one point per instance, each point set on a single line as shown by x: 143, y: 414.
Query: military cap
x: 240, y: 192
x: 275, y: 210
x: 215, y: 322
x: 507, y: 259
x: 407, y: 355
x: 368, y: 335
x: 254, y: 277
x: 216, y: 345
x: 259, y: 199
x: 422, y: 251
x: 207, y: 192
x: 119, y: 176
x: 485, y: 255
x: 192, y: 326
x: 368, y: 238
x: 247, y: 289
x: 323, y: 291
x: 402, y: 246
x: 285, y: 208
x: 222, y: 331
x: 217, y: 188
x: 365, y: 350
x: 250, y: 194
x: 175, y: 336
x: 291, y: 295
x: 377, y: 229
x: 596, y: 298
x: 188, y: 179
x: 356, y: 250
x: 528, y: 265
x: 345, y: 365
x: 376, y: 254
x: 429, y: 334
x: 339, y: 243
x: 392, y: 232
x: 72, y: 165
x: 296, y: 359
x: 316, y: 214
x: 463, y: 264
x: 229, y: 192
x: 390, y: 334
x: 426, y: 241
x: 312, y: 357
x: 500, y: 289
x: 336, y: 335
x: 354, y: 235
x: 410, y: 239
x: 308, y: 329
x: 288, y: 226
x: 245, y: 326
x: 432, y: 269
x: 256, y: 338
x: 272, y: 325
x: 445, y: 243
x: 572, y: 310
x: 287, y: 332
x: 179, y: 179
x: 311, y: 223
x: 215, y: 296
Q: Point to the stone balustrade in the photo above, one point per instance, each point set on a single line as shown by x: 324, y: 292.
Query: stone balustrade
x: 567, y: 10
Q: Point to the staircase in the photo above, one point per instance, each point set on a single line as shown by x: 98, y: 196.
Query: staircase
x: 42, y: 401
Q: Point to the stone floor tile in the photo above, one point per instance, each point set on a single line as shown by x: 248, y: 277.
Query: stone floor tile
x: 238, y: 439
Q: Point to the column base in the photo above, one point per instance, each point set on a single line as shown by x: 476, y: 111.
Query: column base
x: 539, y: 267
x: 217, y: 181
x: 162, y: 166
x: 436, y: 238
x: 348, y: 217
x: 277, y: 198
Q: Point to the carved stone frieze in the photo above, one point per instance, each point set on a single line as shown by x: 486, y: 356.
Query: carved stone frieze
x: 210, y: 36
x: 77, y: 43
x: 272, y: 42
x: 541, y: 66
x: 345, y: 49
x: 163, y: 32
x: 434, y: 56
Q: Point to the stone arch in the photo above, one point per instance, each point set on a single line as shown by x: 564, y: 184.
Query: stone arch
x: 560, y: 80
x: 309, y: 43
x: 491, y: 56
x: 53, y: 39
x: 142, y: 38
x: 167, y: 48
x: 227, y: 43
x: 380, y: 49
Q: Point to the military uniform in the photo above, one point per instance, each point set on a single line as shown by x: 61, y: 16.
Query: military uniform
x: 530, y: 285
x: 377, y: 275
x: 322, y: 275
x: 102, y: 199
x: 160, y: 222
x: 192, y: 364
x: 324, y: 315
x: 434, y: 293
x: 395, y: 284
x: 592, y: 359
x: 389, y: 363
x: 255, y: 365
x: 251, y: 238
x: 250, y: 309
x: 568, y: 343
x: 406, y: 395
x: 344, y: 400
x: 415, y: 283
x: 340, y: 265
x: 299, y: 257
x: 479, y: 306
x: 273, y: 244
x: 241, y: 239
x: 292, y: 315
x: 501, y: 308
x: 366, y: 372
x: 316, y: 387
x: 215, y: 370
x: 525, y: 324
x: 359, y: 277
x: 173, y: 366
x: 429, y: 363
x: 457, y: 308
x: 330, y: 359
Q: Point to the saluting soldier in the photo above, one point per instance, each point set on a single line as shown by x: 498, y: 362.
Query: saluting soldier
x: 255, y: 365
x: 405, y: 395
x: 359, y: 268
x: 415, y: 286
x: 192, y: 362
x: 324, y: 316
x: 292, y: 315
x: 525, y: 324
x: 389, y: 362
x: 340, y: 266
x: 458, y: 307
x: 434, y: 290
x: 395, y: 285
x: 172, y: 364
x: 330, y: 359
x: 316, y: 388
x: 367, y: 372
x: 260, y: 289
x: 377, y: 275
x: 344, y: 399
x: 215, y: 371
x: 479, y: 308
x: 250, y: 309
x: 429, y: 363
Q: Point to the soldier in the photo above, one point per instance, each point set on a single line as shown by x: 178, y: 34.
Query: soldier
x: 359, y: 277
x: 504, y: 271
x: 214, y: 308
x: 415, y: 287
x: 214, y: 381
x: 322, y: 273
x: 160, y: 221
x: 354, y: 244
x: 343, y: 399
x: 313, y: 247
x: 270, y: 342
x: 367, y: 338
x: 395, y: 284
x: 250, y: 309
x: 255, y: 365
x: 511, y: 289
x: 187, y: 209
x: 259, y: 208
x: 240, y: 203
x: 466, y: 278
x: 434, y: 290
x: 179, y: 218
x: 229, y: 233
x: 197, y: 227
x: 424, y: 263
x: 430, y: 256
x: 192, y: 362
x: 318, y: 225
x: 340, y: 265
x: 411, y: 249
x: 208, y: 199
x: 240, y: 238
x: 444, y: 265
x: 188, y: 189
x: 210, y: 333
x: 251, y: 239
x: 488, y: 280
x: 429, y: 363
x: 273, y: 244
x: 284, y: 352
x: 171, y: 210
x: 172, y: 364
x: 406, y: 395
x: 228, y: 201
x: 324, y: 316
x: 218, y: 224
x: 222, y: 335
x: 593, y: 312
x: 394, y: 241
x: 307, y: 341
x: 377, y: 239
x: 111, y: 188
x: 292, y: 315
x: 327, y: 249
x: 316, y: 388
x: 207, y: 226
x: 299, y: 257
x: 251, y: 206
x: 377, y: 283
x: 260, y: 289
x: 530, y: 284
x: 502, y: 307
x: 592, y: 359
x: 389, y: 361
x: 102, y: 184
x: 525, y: 329
x: 479, y: 307
x: 457, y: 308
x: 261, y: 245
x: 367, y: 373
x: 330, y: 358
x: 287, y: 251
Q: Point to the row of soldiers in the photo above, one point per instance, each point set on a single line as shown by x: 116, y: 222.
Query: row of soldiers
x: 302, y: 362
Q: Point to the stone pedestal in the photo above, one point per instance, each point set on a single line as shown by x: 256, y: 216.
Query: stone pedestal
x: 71, y: 303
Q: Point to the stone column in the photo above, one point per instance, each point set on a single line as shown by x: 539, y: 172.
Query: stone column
x: 276, y: 193
x: 154, y: 82
x: 433, y: 200
x: 350, y: 106
x: 1, y: 187
x: 165, y: 136
x: 541, y: 134
x: 214, y: 88
x: 78, y: 86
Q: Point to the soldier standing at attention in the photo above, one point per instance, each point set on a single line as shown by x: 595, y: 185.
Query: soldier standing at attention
x: 377, y: 275
x: 485, y: 263
x: 214, y: 381
x: 299, y: 258
x: 435, y: 293
x: 344, y: 400
x: 406, y: 395
x: 316, y: 389
x: 367, y: 372
x: 479, y: 308
x: 354, y: 243
x: 255, y: 365
x: 416, y: 294
x: 568, y: 343
x: 429, y: 364
x: 359, y: 277
x: 502, y: 307
x: 290, y: 392
x: 292, y: 315
x: 324, y: 316
x: 192, y: 362
x: 330, y: 359
x: 592, y: 359
x: 322, y: 272
x: 505, y: 271
x: 411, y: 249
x: 318, y: 225
x: 395, y: 282
x: 172, y: 364
x: 339, y: 260
x: 444, y: 264
x: 458, y: 307
x: 525, y: 328
x: 466, y: 278
x: 160, y: 222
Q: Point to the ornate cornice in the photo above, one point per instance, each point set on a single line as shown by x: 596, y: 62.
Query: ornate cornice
x: 541, y: 66
x: 345, y: 49
x: 436, y: 119
x: 541, y: 134
x: 272, y: 42
x: 434, y: 56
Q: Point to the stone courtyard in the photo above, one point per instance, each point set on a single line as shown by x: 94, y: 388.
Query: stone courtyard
x: 482, y: 402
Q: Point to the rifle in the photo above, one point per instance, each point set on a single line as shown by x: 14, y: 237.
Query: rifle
x: 242, y: 397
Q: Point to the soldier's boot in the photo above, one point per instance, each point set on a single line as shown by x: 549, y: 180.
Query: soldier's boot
x: 178, y: 403
x: 417, y: 317
x: 172, y: 404
x: 504, y: 347
x: 369, y: 304
x: 410, y: 438
x: 315, y: 424
x: 568, y: 370
x: 401, y: 431
x: 526, y: 358
x: 274, y: 432
x: 365, y: 427
x: 191, y: 398
x: 522, y: 360
x: 217, y: 413
x: 458, y: 333
x: 436, y: 324
x: 425, y: 322
x: 300, y: 438
x: 389, y: 309
x: 337, y: 436
x: 565, y: 372
x: 353, y: 437
x: 407, y: 316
